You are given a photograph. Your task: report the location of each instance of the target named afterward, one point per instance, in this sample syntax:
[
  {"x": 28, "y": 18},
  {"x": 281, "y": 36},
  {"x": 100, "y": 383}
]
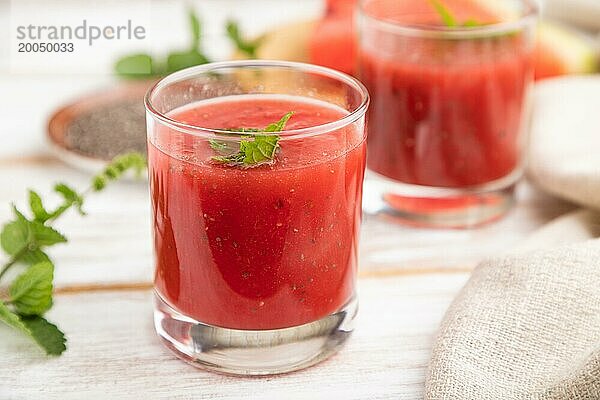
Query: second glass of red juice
[
  {"x": 450, "y": 82},
  {"x": 256, "y": 172}
]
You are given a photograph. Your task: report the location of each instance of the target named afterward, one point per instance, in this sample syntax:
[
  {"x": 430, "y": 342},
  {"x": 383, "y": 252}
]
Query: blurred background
[{"x": 35, "y": 84}]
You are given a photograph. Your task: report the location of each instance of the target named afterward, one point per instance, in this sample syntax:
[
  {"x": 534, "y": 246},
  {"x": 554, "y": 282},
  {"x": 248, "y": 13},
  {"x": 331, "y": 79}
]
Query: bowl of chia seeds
[{"x": 91, "y": 131}]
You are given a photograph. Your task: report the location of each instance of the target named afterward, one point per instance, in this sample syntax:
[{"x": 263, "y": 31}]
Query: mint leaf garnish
[
  {"x": 231, "y": 160},
  {"x": 248, "y": 47},
  {"x": 45, "y": 235},
  {"x": 260, "y": 150},
  {"x": 279, "y": 125},
  {"x": 118, "y": 166},
  {"x": 219, "y": 146},
  {"x": 449, "y": 19},
  {"x": 185, "y": 59},
  {"x": 37, "y": 207},
  {"x": 46, "y": 334},
  {"x": 253, "y": 152},
  {"x": 195, "y": 29},
  {"x": 34, "y": 256},
  {"x": 471, "y": 23},
  {"x": 144, "y": 66},
  {"x": 12, "y": 319},
  {"x": 70, "y": 196},
  {"x": 31, "y": 292},
  {"x": 15, "y": 236},
  {"x": 135, "y": 66},
  {"x": 23, "y": 239},
  {"x": 445, "y": 13}
]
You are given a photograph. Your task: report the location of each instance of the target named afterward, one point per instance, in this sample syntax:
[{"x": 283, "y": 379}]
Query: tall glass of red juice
[
  {"x": 449, "y": 82},
  {"x": 256, "y": 172}
]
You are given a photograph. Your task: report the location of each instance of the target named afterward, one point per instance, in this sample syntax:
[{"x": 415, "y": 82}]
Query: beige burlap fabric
[
  {"x": 564, "y": 156},
  {"x": 527, "y": 325}
]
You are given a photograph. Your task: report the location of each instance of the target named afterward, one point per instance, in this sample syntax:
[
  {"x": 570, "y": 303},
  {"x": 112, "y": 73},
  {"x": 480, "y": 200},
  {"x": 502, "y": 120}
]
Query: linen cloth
[
  {"x": 527, "y": 324},
  {"x": 564, "y": 151}
]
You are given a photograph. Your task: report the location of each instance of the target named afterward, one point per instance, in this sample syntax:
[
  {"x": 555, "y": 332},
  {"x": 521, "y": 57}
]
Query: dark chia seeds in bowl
[
  {"x": 90, "y": 131},
  {"x": 109, "y": 129}
]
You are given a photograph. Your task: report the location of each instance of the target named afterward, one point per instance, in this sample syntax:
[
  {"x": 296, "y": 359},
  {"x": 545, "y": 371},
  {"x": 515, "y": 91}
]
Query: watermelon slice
[
  {"x": 339, "y": 7},
  {"x": 332, "y": 44},
  {"x": 561, "y": 51}
]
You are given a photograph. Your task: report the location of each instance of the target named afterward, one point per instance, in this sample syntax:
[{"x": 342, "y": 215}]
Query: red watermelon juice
[
  {"x": 449, "y": 82},
  {"x": 269, "y": 246},
  {"x": 446, "y": 112}
]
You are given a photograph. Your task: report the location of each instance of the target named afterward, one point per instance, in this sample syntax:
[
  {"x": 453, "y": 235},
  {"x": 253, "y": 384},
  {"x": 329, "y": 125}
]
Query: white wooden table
[
  {"x": 408, "y": 277},
  {"x": 103, "y": 302}
]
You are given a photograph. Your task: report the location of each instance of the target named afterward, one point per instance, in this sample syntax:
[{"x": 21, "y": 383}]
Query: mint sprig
[
  {"x": 248, "y": 47},
  {"x": 256, "y": 149},
  {"x": 279, "y": 125},
  {"x": 31, "y": 292},
  {"x": 24, "y": 240},
  {"x": 144, "y": 66},
  {"x": 449, "y": 19},
  {"x": 44, "y": 333}
]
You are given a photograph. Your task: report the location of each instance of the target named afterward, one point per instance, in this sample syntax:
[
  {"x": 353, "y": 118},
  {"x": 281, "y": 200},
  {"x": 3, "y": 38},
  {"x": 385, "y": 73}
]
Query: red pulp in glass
[
  {"x": 267, "y": 247},
  {"x": 444, "y": 112}
]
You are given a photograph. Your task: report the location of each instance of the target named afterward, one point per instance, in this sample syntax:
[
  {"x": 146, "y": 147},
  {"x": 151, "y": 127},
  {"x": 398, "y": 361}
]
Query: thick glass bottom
[
  {"x": 253, "y": 352},
  {"x": 438, "y": 207}
]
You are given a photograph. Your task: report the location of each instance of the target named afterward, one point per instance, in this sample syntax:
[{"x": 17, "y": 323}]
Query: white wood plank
[
  {"x": 114, "y": 353},
  {"x": 386, "y": 245}
]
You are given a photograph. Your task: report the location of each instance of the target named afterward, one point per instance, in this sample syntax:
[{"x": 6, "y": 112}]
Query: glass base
[
  {"x": 434, "y": 207},
  {"x": 253, "y": 352}
]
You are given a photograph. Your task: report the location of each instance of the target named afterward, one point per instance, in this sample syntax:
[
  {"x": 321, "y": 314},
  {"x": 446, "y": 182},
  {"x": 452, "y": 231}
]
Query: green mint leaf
[
  {"x": 135, "y": 66},
  {"x": 245, "y": 46},
  {"x": 471, "y": 23},
  {"x": 34, "y": 256},
  {"x": 70, "y": 196},
  {"x": 11, "y": 319},
  {"x": 21, "y": 234},
  {"x": 279, "y": 125},
  {"x": 46, "y": 334},
  {"x": 195, "y": 29},
  {"x": 260, "y": 150},
  {"x": 19, "y": 215},
  {"x": 31, "y": 292},
  {"x": 232, "y": 159},
  {"x": 99, "y": 183},
  {"x": 45, "y": 235},
  {"x": 37, "y": 207},
  {"x": 219, "y": 146},
  {"x": 16, "y": 234},
  {"x": 447, "y": 17},
  {"x": 180, "y": 60},
  {"x": 117, "y": 167},
  {"x": 255, "y": 152}
]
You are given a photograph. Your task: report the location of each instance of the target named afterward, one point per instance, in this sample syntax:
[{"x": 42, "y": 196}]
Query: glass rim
[
  {"x": 196, "y": 130},
  {"x": 529, "y": 15}
]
